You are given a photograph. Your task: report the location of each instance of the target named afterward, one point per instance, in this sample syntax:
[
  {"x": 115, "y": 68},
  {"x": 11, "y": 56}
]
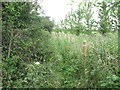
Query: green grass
[{"x": 67, "y": 68}]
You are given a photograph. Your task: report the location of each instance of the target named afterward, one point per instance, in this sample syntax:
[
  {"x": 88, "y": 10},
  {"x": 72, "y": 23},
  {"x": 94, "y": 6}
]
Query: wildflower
[{"x": 37, "y": 63}]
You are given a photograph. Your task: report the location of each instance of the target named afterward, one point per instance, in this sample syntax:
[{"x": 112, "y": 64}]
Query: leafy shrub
[
  {"x": 112, "y": 81},
  {"x": 13, "y": 71},
  {"x": 34, "y": 45},
  {"x": 42, "y": 76}
]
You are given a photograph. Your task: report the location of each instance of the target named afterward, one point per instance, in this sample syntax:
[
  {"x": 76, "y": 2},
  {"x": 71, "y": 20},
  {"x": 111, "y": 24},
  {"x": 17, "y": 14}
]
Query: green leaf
[
  {"x": 114, "y": 77},
  {"x": 80, "y": 4}
]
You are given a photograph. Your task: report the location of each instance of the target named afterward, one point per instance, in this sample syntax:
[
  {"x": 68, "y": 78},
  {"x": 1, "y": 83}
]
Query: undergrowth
[{"x": 68, "y": 67}]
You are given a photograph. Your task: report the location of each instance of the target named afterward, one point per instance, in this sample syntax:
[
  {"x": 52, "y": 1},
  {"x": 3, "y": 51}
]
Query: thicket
[
  {"x": 25, "y": 38},
  {"x": 35, "y": 57}
]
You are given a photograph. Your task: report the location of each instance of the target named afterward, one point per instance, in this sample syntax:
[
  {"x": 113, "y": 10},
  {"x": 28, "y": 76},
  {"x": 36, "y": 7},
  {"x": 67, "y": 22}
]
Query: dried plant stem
[{"x": 84, "y": 49}]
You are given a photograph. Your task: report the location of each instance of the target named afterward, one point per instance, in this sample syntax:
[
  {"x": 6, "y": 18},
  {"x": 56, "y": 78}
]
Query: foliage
[
  {"x": 67, "y": 68},
  {"x": 94, "y": 70},
  {"x": 83, "y": 19},
  {"x": 108, "y": 16},
  {"x": 15, "y": 20},
  {"x": 22, "y": 39},
  {"x": 13, "y": 70},
  {"x": 36, "y": 57},
  {"x": 47, "y": 24}
]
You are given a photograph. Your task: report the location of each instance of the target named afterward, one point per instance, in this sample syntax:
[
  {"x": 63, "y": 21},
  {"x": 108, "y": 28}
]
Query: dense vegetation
[{"x": 80, "y": 52}]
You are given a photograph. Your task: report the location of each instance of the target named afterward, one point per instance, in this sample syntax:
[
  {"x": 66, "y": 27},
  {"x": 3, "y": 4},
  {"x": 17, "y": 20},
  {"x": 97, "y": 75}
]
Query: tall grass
[{"x": 68, "y": 68}]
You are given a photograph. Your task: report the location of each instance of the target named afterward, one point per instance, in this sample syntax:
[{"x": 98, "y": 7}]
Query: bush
[
  {"x": 34, "y": 45},
  {"x": 42, "y": 76},
  {"x": 13, "y": 71}
]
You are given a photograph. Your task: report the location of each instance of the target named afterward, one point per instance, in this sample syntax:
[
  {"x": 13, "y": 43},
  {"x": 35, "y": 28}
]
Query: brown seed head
[{"x": 84, "y": 42}]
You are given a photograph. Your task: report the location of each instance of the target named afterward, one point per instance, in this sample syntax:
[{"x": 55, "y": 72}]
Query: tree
[
  {"x": 80, "y": 20},
  {"x": 108, "y": 17},
  {"x": 47, "y": 24}
]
